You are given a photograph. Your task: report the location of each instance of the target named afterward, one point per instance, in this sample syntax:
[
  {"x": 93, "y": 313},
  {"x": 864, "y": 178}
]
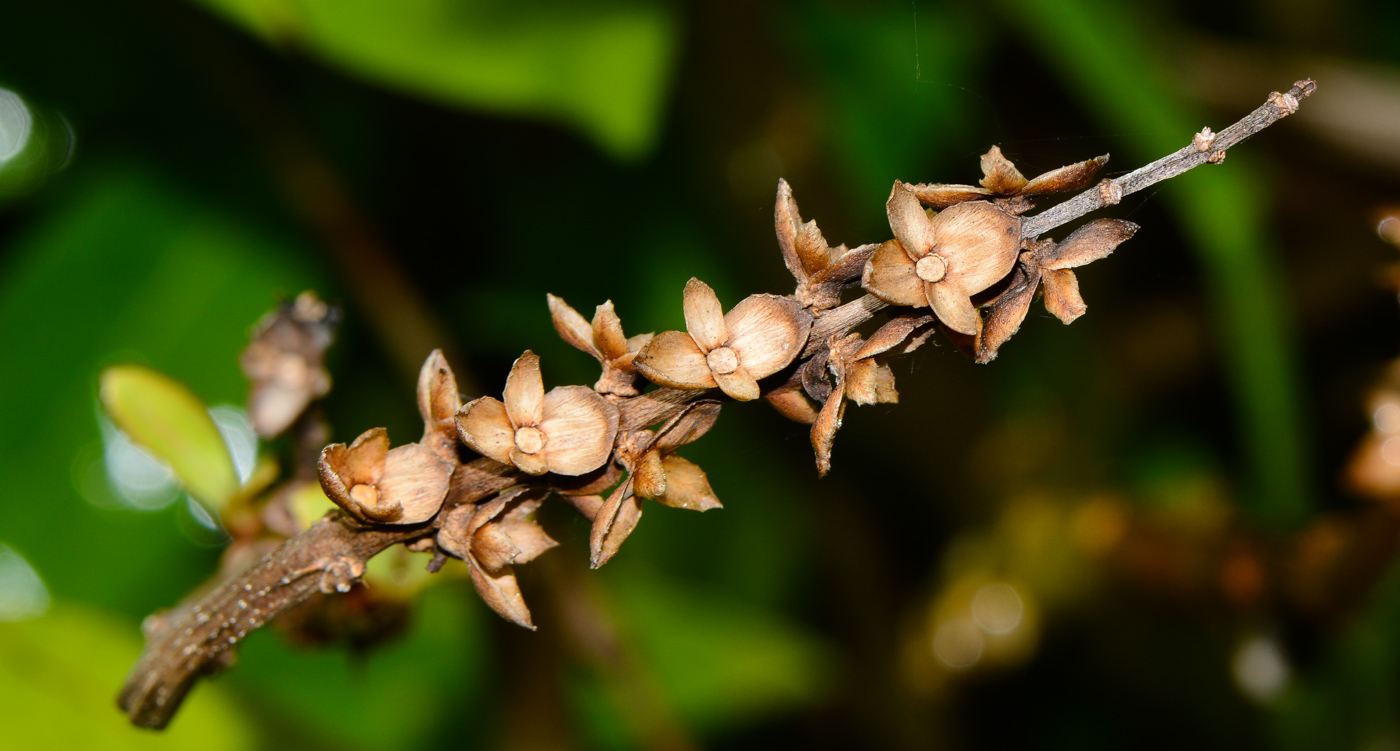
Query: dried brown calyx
[
  {"x": 285, "y": 361},
  {"x": 654, "y": 471},
  {"x": 822, "y": 272},
  {"x": 943, "y": 260},
  {"x": 491, "y": 538},
  {"x": 603, "y": 339},
  {"x": 569, "y": 431},
  {"x": 1048, "y": 266},
  {"x": 757, "y": 338},
  {"x": 1004, "y": 183},
  {"x": 377, "y": 484}
]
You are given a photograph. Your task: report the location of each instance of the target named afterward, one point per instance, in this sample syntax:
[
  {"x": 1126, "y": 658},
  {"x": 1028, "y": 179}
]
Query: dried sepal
[
  {"x": 1062, "y": 297},
  {"x": 687, "y": 487},
  {"x": 1075, "y": 176},
  {"x": 376, "y": 484},
  {"x": 613, "y": 523},
  {"x": 941, "y": 196},
  {"x": 491, "y": 538},
  {"x": 569, "y": 431},
  {"x": 870, "y": 381},
  {"x": 1006, "y": 313},
  {"x": 827, "y": 423},
  {"x": 438, "y": 403},
  {"x": 284, "y": 360},
  {"x": 759, "y": 337},
  {"x": 604, "y": 340},
  {"x": 822, "y": 271},
  {"x": 1089, "y": 243}
]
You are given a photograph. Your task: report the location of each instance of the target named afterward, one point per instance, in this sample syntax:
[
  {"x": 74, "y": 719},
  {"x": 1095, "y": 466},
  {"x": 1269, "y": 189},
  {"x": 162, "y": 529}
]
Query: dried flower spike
[
  {"x": 944, "y": 260},
  {"x": 569, "y": 431},
  {"x": 491, "y": 538},
  {"x": 377, "y": 484},
  {"x": 1049, "y": 267},
  {"x": 822, "y": 272},
  {"x": 757, "y": 338},
  {"x": 604, "y": 340}
]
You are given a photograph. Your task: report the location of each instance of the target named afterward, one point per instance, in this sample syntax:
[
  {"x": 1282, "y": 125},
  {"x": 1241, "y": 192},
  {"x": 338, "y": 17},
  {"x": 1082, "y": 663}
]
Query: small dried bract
[
  {"x": 1003, "y": 182},
  {"x": 491, "y": 538},
  {"x": 942, "y": 261},
  {"x": 654, "y": 471},
  {"x": 604, "y": 340},
  {"x": 569, "y": 431},
  {"x": 1048, "y": 267},
  {"x": 376, "y": 484},
  {"x": 285, "y": 362},
  {"x": 757, "y": 338},
  {"x": 822, "y": 271}
]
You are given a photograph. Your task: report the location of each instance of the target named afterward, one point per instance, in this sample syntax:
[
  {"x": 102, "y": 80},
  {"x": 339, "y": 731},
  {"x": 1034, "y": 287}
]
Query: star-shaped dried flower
[
  {"x": 654, "y": 472},
  {"x": 1049, "y": 266},
  {"x": 944, "y": 260},
  {"x": 604, "y": 340},
  {"x": 491, "y": 538},
  {"x": 285, "y": 362},
  {"x": 860, "y": 374},
  {"x": 757, "y": 338},
  {"x": 569, "y": 431},
  {"x": 822, "y": 271},
  {"x": 1001, "y": 180}
]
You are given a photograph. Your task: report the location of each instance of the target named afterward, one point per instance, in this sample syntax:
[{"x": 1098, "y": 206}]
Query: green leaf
[
  {"x": 599, "y": 67},
  {"x": 163, "y": 416},
  {"x": 59, "y": 677}
]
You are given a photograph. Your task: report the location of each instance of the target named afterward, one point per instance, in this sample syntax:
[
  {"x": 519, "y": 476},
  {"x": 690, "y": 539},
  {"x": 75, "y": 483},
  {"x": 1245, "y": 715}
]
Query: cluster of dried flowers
[
  {"x": 963, "y": 260},
  {"x": 957, "y": 250}
]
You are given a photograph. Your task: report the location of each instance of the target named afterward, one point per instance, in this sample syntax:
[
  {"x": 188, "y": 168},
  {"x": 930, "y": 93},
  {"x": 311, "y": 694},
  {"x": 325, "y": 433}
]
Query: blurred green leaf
[
  {"x": 163, "y": 416},
  {"x": 599, "y": 67},
  {"x": 59, "y": 677},
  {"x": 720, "y": 660}
]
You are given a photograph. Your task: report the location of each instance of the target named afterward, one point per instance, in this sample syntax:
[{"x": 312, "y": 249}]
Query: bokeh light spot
[
  {"x": 958, "y": 643},
  {"x": 22, "y": 593},
  {"x": 997, "y": 608},
  {"x": 16, "y": 124},
  {"x": 1260, "y": 669}
]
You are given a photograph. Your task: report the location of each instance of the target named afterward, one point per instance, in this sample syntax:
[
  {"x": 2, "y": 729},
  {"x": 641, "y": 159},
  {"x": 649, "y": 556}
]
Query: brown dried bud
[
  {"x": 757, "y": 338},
  {"x": 285, "y": 362},
  {"x": 569, "y": 431},
  {"x": 604, "y": 340},
  {"x": 943, "y": 261},
  {"x": 491, "y": 538},
  {"x": 377, "y": 484},
  {"x": 822, "y": 272}
]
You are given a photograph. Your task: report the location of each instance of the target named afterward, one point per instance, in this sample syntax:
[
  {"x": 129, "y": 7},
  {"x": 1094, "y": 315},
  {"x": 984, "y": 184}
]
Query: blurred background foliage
[{"x": 1131, "y": 532}]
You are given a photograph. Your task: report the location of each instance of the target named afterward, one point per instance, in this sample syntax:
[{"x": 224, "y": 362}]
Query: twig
[{"x": 1204, "y": 148}]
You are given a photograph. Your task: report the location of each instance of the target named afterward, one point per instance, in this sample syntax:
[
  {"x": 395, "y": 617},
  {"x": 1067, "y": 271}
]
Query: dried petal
[
  {"x": 571, "y": 326},
  {"x": 892, "y": 334},
  {"x": 1089, "y": 243},
  {"x": 845, "y": 268},
  {"x": 485, "y": 427},
  {"x": 870, "y": 382},
  {"x": 766, "y": 332},
  {"x": 579, "y": 427},
  {"x": 1000, "y": 176},
  {"x": 1004, "y": 316},
  {"x": 792, "y": 404},
  {"x": 364, "y": 460},
  {"x": 941, "y": 196},
  {"x": 416, "y": 480},
  {"x": 980, "y": 243},
  {"x": 607, "y": 332},
  {"x": 687, "y": 427},
  {"x": 649, "y": 477},
  {"x": 501, "y": 592},
  {"x": 686, "y": 486},
  {"x": 673, "y": 359},
  {"x": 1062, "y": 295},
  {"x": 613, "y": 523},
  {"x": 1071, "y": 177},
  {"x": 704, "y": 318},
  {"x": 529, "y": 463},
  {"x": 738, "y": 385},
  {"x": 953, "y": 308},
  {"x": 824, "y": 429},
  {"x": 889, "y": 275},
  {"x": 524, "y": 394},
  {"x": 493, "y": 548},
  {"x": 911, "y": 225},
  {"x": 788, "y": 223},
  {"x": 438, "y": 403}
]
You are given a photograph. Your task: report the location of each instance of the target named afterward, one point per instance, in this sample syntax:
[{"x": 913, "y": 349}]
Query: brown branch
[{"x": 1204, "y": 148}]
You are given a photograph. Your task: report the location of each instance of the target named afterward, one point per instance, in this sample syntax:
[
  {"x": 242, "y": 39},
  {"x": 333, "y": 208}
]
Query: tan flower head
[
  {"x": 569, "y": 431},
  {"x": 944, "y": 260},
  {"x": 377, "y": 484},
  {"x": 757, "y": 338},
  {"x": 604, "y": 340},
  {"x": 284, "y": 361},
  {"x": 1049, "y": 267},
  {"x": 491, "y": 538},
  {"x": 654, "y": 472},
  {"x": 1001, "y": 179},
  {"x": 822, "y": 271}
]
